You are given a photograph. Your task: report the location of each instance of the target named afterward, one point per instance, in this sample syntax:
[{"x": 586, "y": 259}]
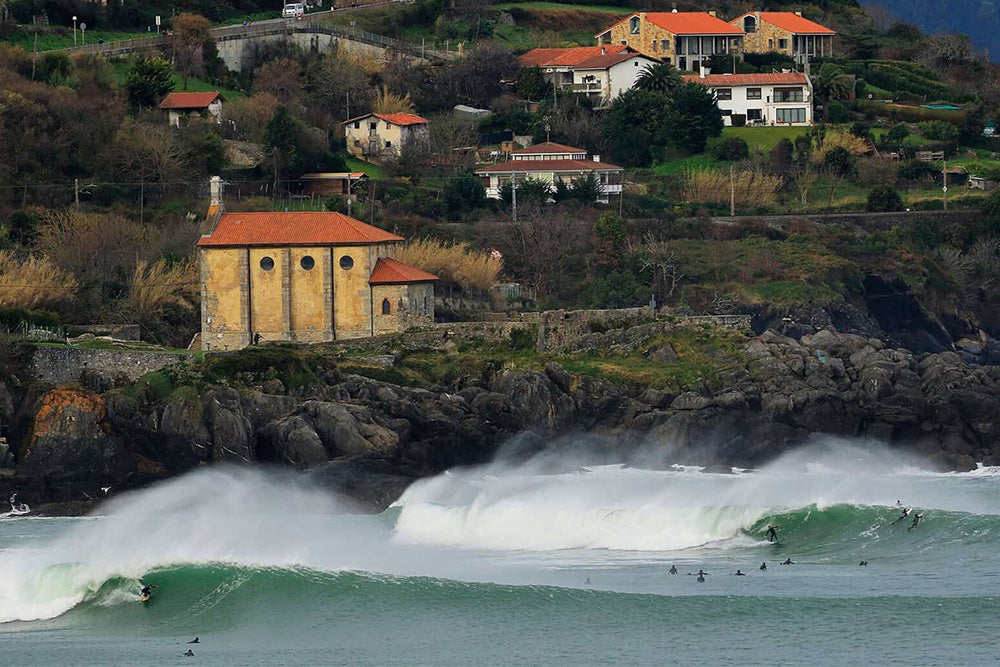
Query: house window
[
  {"x": 753, "y": 93},
  {"x": 633, "y": 25},
  {"x": 770, "y": 45},
  {"x": 388, "y": 144},
  {"x": 693, "y": 44},
  {"x": 388, "y": 127},
  {"x": 307, "y": 263},
  {"x": 347, "y": 262},
  {"x": 782, "y": 43},
  {"x": 373, "y": 127},
  {"x": 749, "y": 24},
  {"x": 723, "y": 94},
  {"x": 754, "y": 114},
  {"x": 665, "y": 44},
  {"x": 386, "y": 307},
  {"x": 787, "y": 94},
  {"x": 790, "y": 115},
  {"x": 357, "y": 125},
  {"x": 726, "y": 112},
  {"x": 266, "y": 263}
]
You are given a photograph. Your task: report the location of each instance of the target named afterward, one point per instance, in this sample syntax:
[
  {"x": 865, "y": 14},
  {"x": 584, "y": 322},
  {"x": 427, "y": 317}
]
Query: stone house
[
  {"x": 599, "y": 73},
  {"x": 552, "y": 162},
  {"x": 788, "y": 33},
  {"x": 683, "y": 39},
  {"x": 779, "y": 98},
  {"x": 184, "y": 106},
  {"x": 306, "y": 277},
  {"x": 381, "y": 137}
]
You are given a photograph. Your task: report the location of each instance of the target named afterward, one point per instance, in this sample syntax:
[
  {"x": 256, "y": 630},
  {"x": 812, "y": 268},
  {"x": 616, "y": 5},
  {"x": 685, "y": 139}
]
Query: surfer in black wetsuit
[
  {"x": 189, "y": 654},
  {"x": 763, "y": 567},
  {"x": 787, "y": 561},
  {"x": 672, "y": 570},
  {"x": 701, "y": 576},
  {"x": 738, "y": 574},
  {"x": 863, "y": 563},
  {"x": 906, "y": 513},
  {"x": 916, "y": 520},
  {"x": 771, "y": 534},
  {"x": 147, "y": 591}
]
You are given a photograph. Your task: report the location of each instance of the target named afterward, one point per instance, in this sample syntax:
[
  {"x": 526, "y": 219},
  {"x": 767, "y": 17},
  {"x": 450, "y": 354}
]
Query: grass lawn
[
  {"x": 768, "y": 137},
  {"x": 558, "y": 6},
  {"x": 121, "y": 65},
  {"x": 62, "y": 37},
  {"x": 373, "y": 171},
  {"x": 678, "y": 165}
]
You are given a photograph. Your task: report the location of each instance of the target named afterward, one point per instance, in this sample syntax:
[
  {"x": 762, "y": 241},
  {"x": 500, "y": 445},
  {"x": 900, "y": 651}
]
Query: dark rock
[
  {"x": 374, "y": 485},
  {"x": 965, "y": 463}
]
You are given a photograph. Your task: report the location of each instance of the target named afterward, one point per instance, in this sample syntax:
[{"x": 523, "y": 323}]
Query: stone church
[{"x": 306, "y": 277}]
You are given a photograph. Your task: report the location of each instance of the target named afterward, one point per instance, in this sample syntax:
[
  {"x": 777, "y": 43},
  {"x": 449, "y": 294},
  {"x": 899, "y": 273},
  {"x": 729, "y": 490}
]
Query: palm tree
[
  {"x": 659, "y": 78},
  {"x": 831, "y": 84}
]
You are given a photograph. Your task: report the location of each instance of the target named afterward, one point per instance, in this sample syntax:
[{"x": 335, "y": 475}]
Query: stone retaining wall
[{"x": 62, "y": 365}]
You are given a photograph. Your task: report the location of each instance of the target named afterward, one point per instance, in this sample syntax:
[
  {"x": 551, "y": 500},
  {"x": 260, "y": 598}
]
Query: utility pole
[
  {"x": 142, "y": 202},
  {"x": 76, "y": 191},
  {"x": 944, "y": 182},
  {"x": 513, "y": 195},
  {"x": 34, "y": 57},
  {"x": 732, "y": 193}
]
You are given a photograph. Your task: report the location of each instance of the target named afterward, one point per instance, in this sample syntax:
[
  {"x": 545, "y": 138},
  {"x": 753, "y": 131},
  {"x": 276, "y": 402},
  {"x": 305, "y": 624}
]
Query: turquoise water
[{"x": 516, "y": 566}]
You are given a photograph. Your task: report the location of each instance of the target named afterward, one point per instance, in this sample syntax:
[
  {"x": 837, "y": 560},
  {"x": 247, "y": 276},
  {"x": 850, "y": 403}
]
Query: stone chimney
[
  {"x": 604, "y": 51},
  {"x": 711, "y": 12},
  {"x": 215, "y": 191},
  {"x": 798, "y": 12},
  {"x": 674, "y": 10},
  {"x": 597, "y": 158}
]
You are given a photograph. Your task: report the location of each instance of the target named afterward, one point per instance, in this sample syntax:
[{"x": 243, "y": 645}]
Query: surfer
[
  {"x": 863, "y": 563},
  {"x": 916, "y": 520},
  {"x": 147, "y": 591},
  {"x": 763, "y": 567},
  {"x": 906, "y": 513},
  {"x": 189, "y": 654},
  {"x": 787, "y": 561},
  {"x": 738, "y": 573},
  {"x": 771, "y": 534},
  {"x": 197, "y": 640},
  {"x": 672, "y": 570},
  {"x": 701, "y": 577}
]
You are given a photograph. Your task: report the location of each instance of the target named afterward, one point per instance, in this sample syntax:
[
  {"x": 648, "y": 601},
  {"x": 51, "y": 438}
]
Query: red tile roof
[
  {"x": 295, "y": 228},
  {"x": 394, "y": 118},
  {"x": 687, "y": 23},
  {"x": 521, "y": 166},
  {"x": 390, "y": 272},
  {"x": 189, "y": 100},
  {"x": 610, "y": 60},
  {"x": 547, "y": 147},
  {"x": 776, "y": 78},
  {"x": 791, "y": 22},
  {"x": 566, "y": 57}
]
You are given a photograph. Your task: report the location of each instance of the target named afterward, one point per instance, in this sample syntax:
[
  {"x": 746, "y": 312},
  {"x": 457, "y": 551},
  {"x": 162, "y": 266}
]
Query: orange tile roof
[
  {"x": 293, "y": 228},
  {"x": 390, "y": 272},
  {"x": 611, "y": 59},
  {"x": 189, "y": 100},
  {"x": 394, "y": 118},
  {"x": 686, "y": 23},
  {"x": 522, "y": 166},
  {"x": 566, "y": 57},
  {"x": 547, "y": 147},
  {"x": 792, "y": 22},
  {"x": 778, "y": 78}
]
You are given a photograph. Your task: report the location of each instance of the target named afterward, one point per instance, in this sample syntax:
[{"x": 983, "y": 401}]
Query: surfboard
[{"x": 145, "y": 597}]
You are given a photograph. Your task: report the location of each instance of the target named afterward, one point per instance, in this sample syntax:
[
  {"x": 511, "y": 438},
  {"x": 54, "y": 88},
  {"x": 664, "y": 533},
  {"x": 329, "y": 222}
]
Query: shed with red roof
[
  {"x": 382, "y": 137},
  {"x": 184, "y": 106}
]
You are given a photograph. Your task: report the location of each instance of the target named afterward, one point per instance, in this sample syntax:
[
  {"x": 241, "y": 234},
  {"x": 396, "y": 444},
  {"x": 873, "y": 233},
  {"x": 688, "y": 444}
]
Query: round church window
[
  {"x": 266, "y": 263},
  {"x": 347, "y": 262},
  {"x": 308, "y": 263}
]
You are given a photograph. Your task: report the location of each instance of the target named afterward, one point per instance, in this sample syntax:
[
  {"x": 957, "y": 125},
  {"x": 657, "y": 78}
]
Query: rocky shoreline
[{"x": 369, "y": 439}]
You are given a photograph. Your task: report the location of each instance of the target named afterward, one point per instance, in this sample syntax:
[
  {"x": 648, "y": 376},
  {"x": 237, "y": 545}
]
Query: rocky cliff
[{"x": 370, "y": 438}]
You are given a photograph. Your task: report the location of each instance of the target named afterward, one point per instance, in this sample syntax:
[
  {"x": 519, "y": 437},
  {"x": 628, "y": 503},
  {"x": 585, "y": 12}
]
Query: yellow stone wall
[
  {"x": 311, "y": 308},
  {"x": 649, "y": 33},
  {"x": 266, "y": 302},
  {"x": 223, "y": 276},
  {"x": 410, "y": 305},
  {"x": 766, "y": 39}
]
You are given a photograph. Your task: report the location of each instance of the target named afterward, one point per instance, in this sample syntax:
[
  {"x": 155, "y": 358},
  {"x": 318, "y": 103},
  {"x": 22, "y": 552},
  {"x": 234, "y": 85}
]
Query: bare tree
[{"x": 192, "y": 38}]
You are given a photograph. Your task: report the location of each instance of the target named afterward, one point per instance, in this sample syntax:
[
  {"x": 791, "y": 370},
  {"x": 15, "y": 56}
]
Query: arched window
[
  {"x": 749, "y": 24},
  {"x": 633, "y": 25},
  {"x": 386, "y": 307}
]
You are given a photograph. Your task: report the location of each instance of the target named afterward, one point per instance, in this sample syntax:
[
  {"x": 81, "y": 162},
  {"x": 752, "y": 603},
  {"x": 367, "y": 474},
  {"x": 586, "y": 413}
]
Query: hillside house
[
  {"x": 599, "y": 73},
  {"x": 683, "y": 39},
  {"x": 780, "y": 98},
  {"x": 331, "y": 183},
  {"x": 788, "y": 33},
  {"x": 551, "y": 162},
  {"x": 181, "y": 107},
  {"x": 306, "y": 277},
  {"x": 381, "y": 137}
]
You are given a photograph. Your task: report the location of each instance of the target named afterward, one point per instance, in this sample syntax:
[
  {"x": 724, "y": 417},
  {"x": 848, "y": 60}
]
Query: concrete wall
[
  {"x": 62, "y": 365},
  {"x": 238, "y": 52}
]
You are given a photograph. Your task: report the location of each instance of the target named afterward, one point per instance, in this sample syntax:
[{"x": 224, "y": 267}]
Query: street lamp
[{"x": 74, "y": 30}]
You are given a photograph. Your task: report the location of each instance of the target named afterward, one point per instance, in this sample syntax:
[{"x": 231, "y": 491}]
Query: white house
[
  {"x": 600, "y": 73},
  {"x": 552, "y": 162},
  {"x": 779, "y": 98},
  {"x": 183, "y": 106},
  {"x": 381, "y": 137},
  {"x": 603, "y": 78}
]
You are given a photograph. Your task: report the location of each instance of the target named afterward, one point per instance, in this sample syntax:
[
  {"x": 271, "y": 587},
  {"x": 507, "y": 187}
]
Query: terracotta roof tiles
[
  {"x": 390, "y": 272},
  {"x": 293, "y": 228},
  {"x": 394, "y": 118},
  {"x": 566, "y": 57},
  {"x": 687, "y": 23},
  {"x": 792, "y": 22},
  {"x": 547, "y": 147},
  {"x": 778, "y": 78},
  {"x": 522, "y": 166},
  {"x": 189, "y": 100}
]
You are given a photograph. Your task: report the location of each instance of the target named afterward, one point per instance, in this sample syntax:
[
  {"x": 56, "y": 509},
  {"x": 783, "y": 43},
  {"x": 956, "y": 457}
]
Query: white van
[{"x": 293, "y": 10}]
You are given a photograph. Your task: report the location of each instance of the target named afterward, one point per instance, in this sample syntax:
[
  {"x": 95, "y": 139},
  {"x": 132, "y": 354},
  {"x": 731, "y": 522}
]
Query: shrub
[
  {"x": 837, "y": 112},
  {"x": 938, "y": 130},
  {"x": 838, "y": 161},
  {"x": 728, "y": 149},
  {"x": 752, "y": 188},
  {"x": 157, "y": 288},
  {"x": 32, "y": 282},
  {"x": 884, "y": 198},
  {"x": 521, "y": 339},
  {"x": 457, "y": 264}
]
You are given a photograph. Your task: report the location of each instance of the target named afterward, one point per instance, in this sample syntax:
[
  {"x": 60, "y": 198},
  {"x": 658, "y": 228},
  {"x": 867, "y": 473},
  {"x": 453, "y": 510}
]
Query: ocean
[{"x": 520, "y": 565}]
